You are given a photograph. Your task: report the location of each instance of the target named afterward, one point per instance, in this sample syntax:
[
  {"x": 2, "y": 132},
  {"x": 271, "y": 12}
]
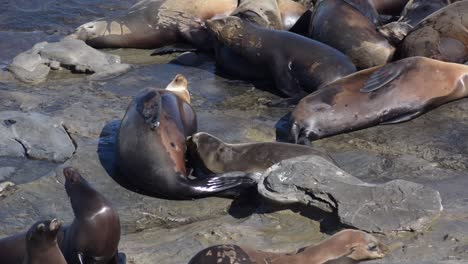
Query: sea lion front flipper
[
  {"x": 382, "y": 76},
  {"x": 221, "y": 182},
  {"x": 176, "y": 48},
  {"x": 149, "y": 106},
  {"x": 402, "y": 118}
]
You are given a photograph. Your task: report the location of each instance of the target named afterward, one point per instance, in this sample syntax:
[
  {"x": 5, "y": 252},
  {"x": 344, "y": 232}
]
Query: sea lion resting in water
[
  {"x": 349, "y": 246},
  {"x": 387, "y": 94},
  {"x": 441, "y": 36},
  {"x": 297, "y": 68},
  {"x": 215, "y": 156},
  {"x": 151, "y": 149}
]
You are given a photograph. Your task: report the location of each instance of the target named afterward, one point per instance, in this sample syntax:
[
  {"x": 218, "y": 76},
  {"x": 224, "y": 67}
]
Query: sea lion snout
[
  {"x": 55, "y": 224},
  {"x": 71, "y": 175}
]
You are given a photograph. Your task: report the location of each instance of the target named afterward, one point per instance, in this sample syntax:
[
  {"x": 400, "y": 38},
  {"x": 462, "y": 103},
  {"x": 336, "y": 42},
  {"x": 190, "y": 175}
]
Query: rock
[
  {"x": 397, "y": 205},
  {"x": 6, "y": 172},
  {"x": 5, "y": 185},
  {"x": 34, "y": 65},
  {"x": 33, "y": 135}
]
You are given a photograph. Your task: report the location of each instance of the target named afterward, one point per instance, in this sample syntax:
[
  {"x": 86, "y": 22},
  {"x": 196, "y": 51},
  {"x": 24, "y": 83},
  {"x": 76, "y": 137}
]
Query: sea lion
[
  {"x": 155, "y": 23},
  {"x": 290, "y": 12},
  {"x": 387, "y": 94},
  {"x": 389, "y": 7},
  {"x": 41, "y": 244},
  {"x": 361, "y": 42},
  {"x": 94, "y": 235},
  {"x": 413, "y": 13},
  {"x": 348, "y": 245},
  {"x": 299, "y": 67},
  {"x": 178, "y": 86},
  {"x": 13, "y": 248},
  {"x": 151, "y": 149},
  {"x": 216, "y": 156},
  {"x": 440, "y": 36}
]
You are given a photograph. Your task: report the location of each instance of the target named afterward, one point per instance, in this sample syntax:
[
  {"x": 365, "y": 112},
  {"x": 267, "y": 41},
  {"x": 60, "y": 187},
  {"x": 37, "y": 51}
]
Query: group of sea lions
[
  {"x": 92, "y": 237},
  {"x": 347, "y": 64}
]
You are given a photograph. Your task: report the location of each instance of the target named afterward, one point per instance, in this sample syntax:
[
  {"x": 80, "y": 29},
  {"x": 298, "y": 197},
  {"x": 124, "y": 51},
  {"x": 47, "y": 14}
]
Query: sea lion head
[
  {"x": 210, "y": 150},
  {"x": 89, "y": 30},
  {"x": 77, "y": 188},
  {"x": 227, "y": 28},
  {"x": 360, "y": 245},
  {"x": 179, "y": 87},
  {"x": 43, "y": 232}
]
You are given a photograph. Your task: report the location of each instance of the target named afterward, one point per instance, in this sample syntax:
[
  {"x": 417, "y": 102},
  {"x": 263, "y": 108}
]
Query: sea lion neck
[{"x": 87, "y": 202}]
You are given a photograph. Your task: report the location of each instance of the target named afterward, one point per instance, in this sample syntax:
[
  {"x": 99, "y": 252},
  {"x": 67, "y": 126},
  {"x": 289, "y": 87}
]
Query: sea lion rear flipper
[
  {"x": 402, "y": 118},
  {"x": 149, "y": 107},
  {"x": 382, "y": 76}
]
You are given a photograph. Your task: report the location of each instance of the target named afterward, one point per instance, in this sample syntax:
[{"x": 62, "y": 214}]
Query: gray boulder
[
  {"x": 34, "y": 65},
  {"x": 34, "y": 135},
  {"x": 397, "y": 205}
]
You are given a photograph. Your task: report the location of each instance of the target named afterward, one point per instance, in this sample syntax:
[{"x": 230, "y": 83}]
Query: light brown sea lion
[
  {"x": 299, "y": 67},
  {"x": 179, "y": 86},
  {"x": 392, "y": 93},
  {"x": 155, "y": 23},
  {"x": 41, "y": 244},
  {"x": 94, "y": 235},
  {"x": 348, "y": 245},
  {"x": 341, "y": 25},
  {"x": 151, "y": 149},
  {"x": 215, "y": 156},
  {"x": 441, "y": 36},
  {"x": 413, "y": 13}
]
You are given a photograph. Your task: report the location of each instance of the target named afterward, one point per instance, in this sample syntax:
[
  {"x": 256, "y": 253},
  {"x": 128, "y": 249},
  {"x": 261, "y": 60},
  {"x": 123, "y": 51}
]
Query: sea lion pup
[
  {"x": 151, "y": 149},
  {"x": 216, "y": 156},
  {"x": 388, "y": 94},
  {"x": 413, "y": 13},
  {"x": 179, "y": 86},
  {"x": 297, "y": 68},
  {"x": 155, "y": 23},
  {"x": 93, "y": 236},
  {"x": 41, "y": 244},
  {"x": 363, "y": 44},
  {"x": 440, "y": 36},
  {"x": 353, "y": 245}
]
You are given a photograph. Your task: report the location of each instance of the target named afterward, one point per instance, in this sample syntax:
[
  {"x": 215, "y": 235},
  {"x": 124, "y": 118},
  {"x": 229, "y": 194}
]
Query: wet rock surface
[
  {"x": 396, "y": 205},
  {"x": 33, "y": 66},
  {"x": 429, "y": 150}
]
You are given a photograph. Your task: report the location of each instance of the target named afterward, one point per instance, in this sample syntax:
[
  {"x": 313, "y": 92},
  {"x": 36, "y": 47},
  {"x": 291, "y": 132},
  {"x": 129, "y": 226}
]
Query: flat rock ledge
[
  {"x": 33, "y": 66},
  {"x": 35, "y": 136},
  {"x": 396, "y": 205}
]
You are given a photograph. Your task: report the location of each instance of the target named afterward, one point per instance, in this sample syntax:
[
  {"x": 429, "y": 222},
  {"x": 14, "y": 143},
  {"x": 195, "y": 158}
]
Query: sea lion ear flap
[{"x": 383, "y": 76}]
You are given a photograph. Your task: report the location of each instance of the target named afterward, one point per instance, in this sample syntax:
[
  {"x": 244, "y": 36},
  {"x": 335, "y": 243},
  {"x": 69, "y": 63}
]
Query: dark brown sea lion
[
  {"x": 41, "y": 244},
  {"x": 151, "y": 149},
  {"x": 341, "y": 25},
  {"x": 389, "y": 7},
  {"x": 299, "y": 67},
  {"x": 441, "y": 36},
  {"x": 94, "y": 235},
  {"x": 13, "y": 248},
  {"x": 216, "y": 156},
  {"x": 387, "y": 94},
  {"x": 351, "y": 246},
  {"x": 413, "y": 13},
  {"x": 155, "y": 23}
]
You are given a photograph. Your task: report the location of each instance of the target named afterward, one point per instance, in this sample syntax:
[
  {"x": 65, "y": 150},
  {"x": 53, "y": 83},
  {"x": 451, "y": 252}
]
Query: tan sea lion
[
  {"x": 151, "y": 149},
  {"x": 387, "y": 94},
  {"x": 41, "y": 244},
  {"x": 350, "y": 246},
  {"x": 297, "y": 68},
  {"x": 179, "y": 86},
  {"x": 94, "y": 235},
  {"x": 441, "y": 36},
  {"x": 343, "y": 26},
  {"x": 215, "y": 156},
  {"x": 155, "y": 23}
]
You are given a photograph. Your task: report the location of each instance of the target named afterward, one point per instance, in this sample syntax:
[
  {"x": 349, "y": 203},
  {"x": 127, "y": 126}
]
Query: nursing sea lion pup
[
  {"x": 349, "y": 246},
  {"x": 393, "y": 93},
  {"x": 299, "y": 67},
  {"x": 441, "y": 36},
  {"x": 215, "y": 156},
  {"x": 93, "y": 236},
  {"x": 151, "y": 149},
  {"x": 341, "y": 25},
  {"x": 155, "y": 23},
  {"x": 41, "y": 244}
]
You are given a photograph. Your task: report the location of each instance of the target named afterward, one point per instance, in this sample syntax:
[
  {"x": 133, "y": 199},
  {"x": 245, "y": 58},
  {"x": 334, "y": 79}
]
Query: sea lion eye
[{"x": 372, "y": 247}]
